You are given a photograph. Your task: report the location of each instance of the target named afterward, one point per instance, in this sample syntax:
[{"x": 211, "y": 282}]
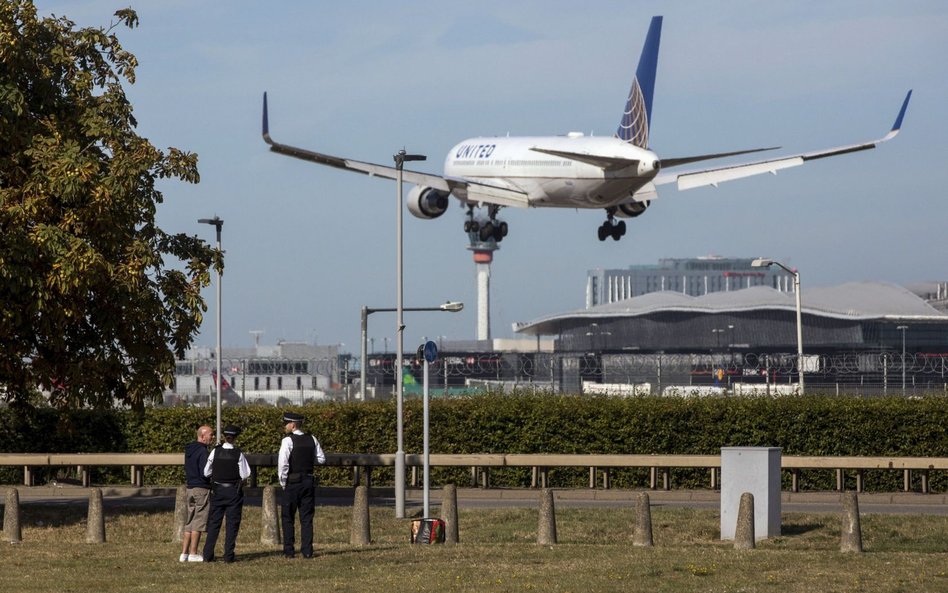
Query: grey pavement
[{"x": 811, "y": 502}]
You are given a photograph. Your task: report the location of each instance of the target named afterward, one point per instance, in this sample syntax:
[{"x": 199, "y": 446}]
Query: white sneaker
[
  {"x": 195, "y": 558},
  {"x": 183, "y": 558}
]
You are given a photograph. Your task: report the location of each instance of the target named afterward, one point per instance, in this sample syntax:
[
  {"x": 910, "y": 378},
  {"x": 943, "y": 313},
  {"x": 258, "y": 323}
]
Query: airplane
[
  {"x": 229, "y": 395},
  {"x": 619, "y": 174}
]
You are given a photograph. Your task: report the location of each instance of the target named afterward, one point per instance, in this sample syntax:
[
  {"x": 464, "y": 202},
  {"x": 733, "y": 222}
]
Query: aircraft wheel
[
  {"x": 603, "y": 233},
  {"x": 487, "y": 231},
  {"x": 616, "y": 235},
  {"x": 467, "y": 226},
  {"x": 475, "y": 226},
  {"x": 503, "y": 230},
  {"x": 621, "y": 228}
]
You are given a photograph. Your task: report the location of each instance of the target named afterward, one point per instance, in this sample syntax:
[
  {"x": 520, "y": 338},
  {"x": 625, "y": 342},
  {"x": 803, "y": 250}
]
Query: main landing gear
[
  {"x": 611, "y": 228},
  {"x": 487, "y": 229}
]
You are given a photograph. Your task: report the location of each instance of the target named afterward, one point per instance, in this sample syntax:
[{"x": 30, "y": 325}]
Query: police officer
[
  {"x": 299, "y": 453},
  {"x": 227, "y": 468}
]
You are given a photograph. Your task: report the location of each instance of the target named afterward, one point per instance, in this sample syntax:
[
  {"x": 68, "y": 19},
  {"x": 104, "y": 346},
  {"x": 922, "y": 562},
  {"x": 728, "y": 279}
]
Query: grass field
[{"x": 497, "y": 553}]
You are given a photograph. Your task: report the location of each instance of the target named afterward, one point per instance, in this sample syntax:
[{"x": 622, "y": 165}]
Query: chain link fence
[{"x": 283, "y": 381}]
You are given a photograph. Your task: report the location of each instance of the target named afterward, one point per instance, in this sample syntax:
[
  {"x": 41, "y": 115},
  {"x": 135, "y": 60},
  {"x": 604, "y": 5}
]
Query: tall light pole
[
  {"x": 902, "y": 328},
  {"x": 450, "y": 306},
  {"x": 762, "y": 262},
  {"x": 400, "y": 157},
  {"x": 217, "y": 222}
]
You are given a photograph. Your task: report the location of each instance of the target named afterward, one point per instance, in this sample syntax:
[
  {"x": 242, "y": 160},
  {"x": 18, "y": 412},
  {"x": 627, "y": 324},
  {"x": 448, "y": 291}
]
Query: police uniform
[
  {"x": 227, "y": 468},
  {"x": 299, "y": 453}
]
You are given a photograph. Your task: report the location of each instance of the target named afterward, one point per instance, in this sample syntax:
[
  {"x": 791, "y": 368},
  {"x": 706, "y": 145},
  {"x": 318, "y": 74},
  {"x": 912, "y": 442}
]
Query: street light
[
  {"x": 762, "y": 262},
  {"x": 217, "y": 222},
  {"x": 450, "y": 306},
  {"x": 902, "y": 328},
  {"x": 400, "y": 157}
]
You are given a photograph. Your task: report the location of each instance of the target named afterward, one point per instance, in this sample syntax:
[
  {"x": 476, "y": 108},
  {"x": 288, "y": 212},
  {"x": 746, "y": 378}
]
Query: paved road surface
[{"x": 811, "y": 502}]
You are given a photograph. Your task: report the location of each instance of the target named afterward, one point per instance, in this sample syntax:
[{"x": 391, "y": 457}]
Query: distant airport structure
[
  {"x": 856, "y": 316},
  {"x": 695, "y": 276},
  {"x": 286, "y": 373},
  {"x": 483, "y": 252},
  {"x": 711, "y": 323}
]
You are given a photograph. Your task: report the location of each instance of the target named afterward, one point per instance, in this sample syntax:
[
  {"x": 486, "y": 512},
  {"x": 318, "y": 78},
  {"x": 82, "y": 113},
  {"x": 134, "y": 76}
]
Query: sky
[{"x": 307, "y": 246}]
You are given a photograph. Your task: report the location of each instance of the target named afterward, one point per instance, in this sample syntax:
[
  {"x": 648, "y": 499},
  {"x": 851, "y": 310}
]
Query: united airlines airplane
[{"x": 619, "y": 174}]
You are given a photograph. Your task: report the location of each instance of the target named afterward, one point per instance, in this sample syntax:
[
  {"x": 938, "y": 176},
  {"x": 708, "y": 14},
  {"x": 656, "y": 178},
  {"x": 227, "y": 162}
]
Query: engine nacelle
[
  {"x": 427, "y": 202},
  {"x": 632, "y": 209}
]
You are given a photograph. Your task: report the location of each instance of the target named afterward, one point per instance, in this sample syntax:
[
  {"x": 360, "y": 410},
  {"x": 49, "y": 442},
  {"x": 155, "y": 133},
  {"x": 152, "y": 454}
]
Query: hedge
[{"x": 522, "y": 423}]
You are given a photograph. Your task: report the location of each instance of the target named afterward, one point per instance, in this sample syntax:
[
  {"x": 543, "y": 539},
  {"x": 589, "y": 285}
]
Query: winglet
[
  {"x": 266, "y": 121},
  {"x": 898, "y": 120}
]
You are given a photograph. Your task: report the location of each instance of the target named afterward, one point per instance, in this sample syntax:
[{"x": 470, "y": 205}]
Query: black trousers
[
  {"x": 226, "y": 501},
  {"x": 301, "y": 497}
]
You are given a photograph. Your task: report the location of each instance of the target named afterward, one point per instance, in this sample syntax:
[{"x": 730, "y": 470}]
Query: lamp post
[
  {"x": 450, "y": 306},
  {"x": 400, "y": 157},
  {"x": 902, "y": 328},
  {"x": 762, "y": 262},
  {"x": 217, "y": 222}
]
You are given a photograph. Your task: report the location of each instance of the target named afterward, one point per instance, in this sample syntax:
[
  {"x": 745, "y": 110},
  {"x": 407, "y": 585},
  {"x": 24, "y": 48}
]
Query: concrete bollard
[
  {"x": 11, "y": 517},
  {"x": 744, "y": 532},
  {"x": 270, "y": 518},
  {"x": 180, "y": 513},
  {"x": 449, "y": 513},
  {"x": 642, "y": 535},
  {"x": 851, "y": 538},
  {"x": 360, "y": 533},
  {"x": 95, "y": 523},
  {"x": 546, "y": 529}
]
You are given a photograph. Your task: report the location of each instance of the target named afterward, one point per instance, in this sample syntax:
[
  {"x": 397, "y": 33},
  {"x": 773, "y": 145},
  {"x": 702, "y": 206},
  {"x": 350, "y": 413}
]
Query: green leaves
[
  {"x": 525, "y": 423},
  {"x": 90, "y": 311}
]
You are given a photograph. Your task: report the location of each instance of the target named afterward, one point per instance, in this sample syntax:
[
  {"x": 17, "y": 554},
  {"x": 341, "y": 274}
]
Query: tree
[{"x": 95, "y": 299}]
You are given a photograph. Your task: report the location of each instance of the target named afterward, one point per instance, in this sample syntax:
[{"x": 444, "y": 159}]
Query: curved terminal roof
[{"x": 851, "y": 301}]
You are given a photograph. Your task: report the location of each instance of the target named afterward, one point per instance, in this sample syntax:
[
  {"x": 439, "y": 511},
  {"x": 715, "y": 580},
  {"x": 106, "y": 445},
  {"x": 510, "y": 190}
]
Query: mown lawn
[{"x": 497, "y": 553}]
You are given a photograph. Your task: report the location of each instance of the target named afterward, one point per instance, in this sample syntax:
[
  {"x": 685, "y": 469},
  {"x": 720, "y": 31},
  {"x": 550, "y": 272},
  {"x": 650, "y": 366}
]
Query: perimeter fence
[{"x": 281, "y": 381}]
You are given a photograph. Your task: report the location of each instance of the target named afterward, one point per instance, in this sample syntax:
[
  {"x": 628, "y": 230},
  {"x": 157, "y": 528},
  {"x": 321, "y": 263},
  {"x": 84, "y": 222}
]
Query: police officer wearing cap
[
  {"x": 227, "y": 468},
  {"x": 299, "y": 454}
]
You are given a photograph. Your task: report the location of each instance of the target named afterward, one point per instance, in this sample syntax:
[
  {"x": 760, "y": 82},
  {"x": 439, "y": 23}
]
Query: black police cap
[{"x": 292, "y": 417}]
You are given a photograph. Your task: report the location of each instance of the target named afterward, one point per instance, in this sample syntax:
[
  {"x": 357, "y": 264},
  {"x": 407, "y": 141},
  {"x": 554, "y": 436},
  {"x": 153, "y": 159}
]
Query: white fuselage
[{"x": 556, "y": 180}]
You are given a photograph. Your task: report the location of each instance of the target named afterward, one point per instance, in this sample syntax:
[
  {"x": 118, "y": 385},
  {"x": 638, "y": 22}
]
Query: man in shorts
[{"x": 198, "y": 494}]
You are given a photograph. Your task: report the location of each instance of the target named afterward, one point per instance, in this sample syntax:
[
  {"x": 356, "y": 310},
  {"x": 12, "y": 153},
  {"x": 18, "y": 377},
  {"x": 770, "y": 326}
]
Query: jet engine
[
  {"x": 427, "y": 202},
  {"x": 632, "y": 209}
]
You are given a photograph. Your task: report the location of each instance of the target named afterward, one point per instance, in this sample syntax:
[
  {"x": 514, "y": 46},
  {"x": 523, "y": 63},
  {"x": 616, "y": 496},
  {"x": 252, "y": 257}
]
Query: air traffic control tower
[{"x": 483, "y": 256}]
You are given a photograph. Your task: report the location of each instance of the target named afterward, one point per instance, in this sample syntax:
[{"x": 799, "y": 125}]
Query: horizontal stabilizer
[{"x": 606, "y": 163}]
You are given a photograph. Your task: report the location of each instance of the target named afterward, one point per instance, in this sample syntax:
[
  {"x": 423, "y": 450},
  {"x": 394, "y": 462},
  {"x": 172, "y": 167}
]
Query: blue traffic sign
[{"x": 431, "y": 352}]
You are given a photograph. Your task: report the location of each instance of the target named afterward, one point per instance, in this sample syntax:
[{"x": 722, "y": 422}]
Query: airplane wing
[
  {"x": 477, "y": 192},
  {"x": 691, "y": 179}
]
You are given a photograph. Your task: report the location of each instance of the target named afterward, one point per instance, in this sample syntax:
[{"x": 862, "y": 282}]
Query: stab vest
[
  {"x": 226, "y": 468},
  {"x": 303, "y": 453}
]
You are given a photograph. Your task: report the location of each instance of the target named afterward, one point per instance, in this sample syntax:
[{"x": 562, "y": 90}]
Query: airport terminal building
[
  {"x": 694, "y": 276},
  {"x": 858, "y": 316},
  {"x": 867, "y": 337}
]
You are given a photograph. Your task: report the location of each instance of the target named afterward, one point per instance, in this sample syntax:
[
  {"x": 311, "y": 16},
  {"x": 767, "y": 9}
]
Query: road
[{"x": 809, "y": 502}]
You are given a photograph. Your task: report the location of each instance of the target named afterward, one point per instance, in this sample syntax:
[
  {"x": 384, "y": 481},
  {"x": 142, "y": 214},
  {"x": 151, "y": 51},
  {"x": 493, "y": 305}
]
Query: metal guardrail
[{"x": 480, "y": 464}]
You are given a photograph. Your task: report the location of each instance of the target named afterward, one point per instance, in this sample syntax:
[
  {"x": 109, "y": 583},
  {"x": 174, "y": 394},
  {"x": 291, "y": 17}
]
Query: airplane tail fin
[{"x": 638, "y": 107}]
